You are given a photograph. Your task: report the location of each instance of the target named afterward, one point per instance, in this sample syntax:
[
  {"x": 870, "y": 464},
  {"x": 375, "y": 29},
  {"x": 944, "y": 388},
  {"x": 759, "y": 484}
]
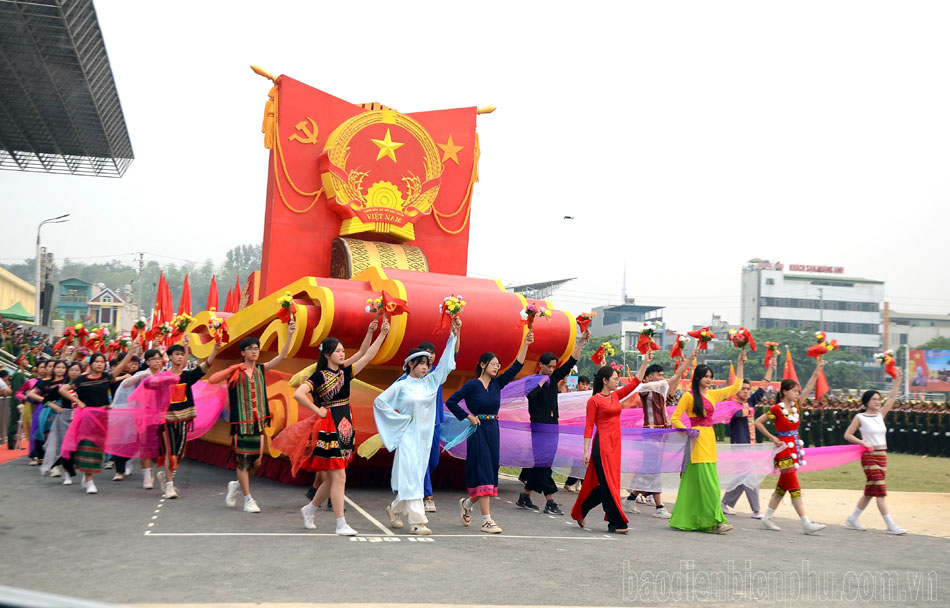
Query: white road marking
[
  {"x": 372, "y": 519},
  {"x": 388, "y": 538}
]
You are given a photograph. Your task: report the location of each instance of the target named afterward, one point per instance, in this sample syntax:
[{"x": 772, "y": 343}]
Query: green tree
[{"x": 938, "y": 343}]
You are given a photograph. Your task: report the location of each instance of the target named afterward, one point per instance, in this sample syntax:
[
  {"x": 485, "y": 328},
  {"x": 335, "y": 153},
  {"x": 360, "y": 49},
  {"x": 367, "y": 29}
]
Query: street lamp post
[{"x": 36, "y": 300}]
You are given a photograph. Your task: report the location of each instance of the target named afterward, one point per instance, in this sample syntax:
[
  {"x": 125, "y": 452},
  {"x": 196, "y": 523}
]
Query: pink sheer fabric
[{"x": 130, "y": 429}]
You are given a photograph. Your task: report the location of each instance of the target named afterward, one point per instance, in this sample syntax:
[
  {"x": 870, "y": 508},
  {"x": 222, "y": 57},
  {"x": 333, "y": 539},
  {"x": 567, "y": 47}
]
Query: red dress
[
  {"x": 791, "y": 456},
  {"x": 604, "y": 413}
]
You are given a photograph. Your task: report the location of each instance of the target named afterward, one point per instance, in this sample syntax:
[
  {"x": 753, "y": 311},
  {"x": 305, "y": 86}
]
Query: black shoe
[
  {"x": 311, "y": 492},
  {"x": 524, "y": 501},
  {"x": 552, "y": 509}
]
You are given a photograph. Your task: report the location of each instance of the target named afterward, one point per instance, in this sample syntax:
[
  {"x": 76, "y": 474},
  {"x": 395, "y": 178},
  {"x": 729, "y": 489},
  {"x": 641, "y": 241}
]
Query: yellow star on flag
[
  {"x": 450, "y": 150},
  {"x": 387, "y": 147}
]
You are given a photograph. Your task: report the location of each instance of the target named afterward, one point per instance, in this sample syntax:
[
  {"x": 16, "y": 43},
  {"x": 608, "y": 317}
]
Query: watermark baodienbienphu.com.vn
[{"x": 742, "y": 582}]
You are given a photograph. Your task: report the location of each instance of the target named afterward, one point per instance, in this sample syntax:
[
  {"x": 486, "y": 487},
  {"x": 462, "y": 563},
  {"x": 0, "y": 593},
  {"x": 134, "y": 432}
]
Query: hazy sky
[{"x": 684, "y": 137}]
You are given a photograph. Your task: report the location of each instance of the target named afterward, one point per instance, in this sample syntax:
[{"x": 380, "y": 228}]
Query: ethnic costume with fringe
[
  {"x": 405, "y": 416},
  {"x": 249, "y": 413},
  {"x": 790, "y": 456},
  {"x": 602, "y": 480},
  {"x": 322, "y": 444},
  {"x": 482, "y": 446},
  {"x": 179, "y": 419},
  {"x": 697, "y": 503},
  {"x": 43, "y": 417}
]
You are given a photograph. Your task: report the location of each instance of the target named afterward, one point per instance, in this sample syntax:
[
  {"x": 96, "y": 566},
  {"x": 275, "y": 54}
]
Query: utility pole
[
  {"x": 138, "y": 287},
  {"x": 37, "y": 319}
]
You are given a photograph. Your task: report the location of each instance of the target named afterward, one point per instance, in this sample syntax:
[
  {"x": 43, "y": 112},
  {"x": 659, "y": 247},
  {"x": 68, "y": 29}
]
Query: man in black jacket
[{"x": 542, "y": 409}]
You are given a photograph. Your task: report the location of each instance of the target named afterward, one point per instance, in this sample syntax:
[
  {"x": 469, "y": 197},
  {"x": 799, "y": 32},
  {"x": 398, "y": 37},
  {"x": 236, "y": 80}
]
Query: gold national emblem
[{"x": 382, "y": 207}]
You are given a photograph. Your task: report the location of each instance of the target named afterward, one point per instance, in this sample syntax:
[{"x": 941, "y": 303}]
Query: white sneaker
[
  {"x": 34, "y": 462},
  {"x": 108, "y": 465},
  {"x": 420, "y": 530},
  {"x": 632, "y": 506},
  {"x": 727, "y": 510},
  {"x": 161, "y": 478},
  {"x": 67, "y": 480},
  {"x": 490, "y": 527},
  {"x": 662, "y": 513},
  {"x": 430, "y": 506},
  {"x": 854, "y": 524},
  {"x": 118, "y": 477},
  {"x": 346, "y": 530},
  {"x": 148, "y": 481},
  {"x": 308, "y": 511},
  {"x": 756, "y": 515},
  {"x": 91, "y": 488},
  {"x": 768, "y": 524},
  {"x": 250, "y": 505},
  {"x": 56, "y": 471},
  {"x": 170, "y": 491},
  {"x": 234, "y": 488},
  {"x": 811, "y": 527},
  {"x": 896, "y": 530},
  {"x": 465, "y": 512},
  {"x": 570, "y": 488},
  {"x": 128, "y": 468},
  {"x": 395, "y": 521}
]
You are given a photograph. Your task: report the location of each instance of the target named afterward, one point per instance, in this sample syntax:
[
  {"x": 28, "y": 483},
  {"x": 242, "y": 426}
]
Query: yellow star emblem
[
  {"x": 450, "y": 150},
  {"x": 387, "y": 147}
]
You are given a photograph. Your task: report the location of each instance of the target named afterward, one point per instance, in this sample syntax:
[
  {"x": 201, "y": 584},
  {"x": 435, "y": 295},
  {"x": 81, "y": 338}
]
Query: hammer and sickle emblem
[{"x": 310, "y": 133}]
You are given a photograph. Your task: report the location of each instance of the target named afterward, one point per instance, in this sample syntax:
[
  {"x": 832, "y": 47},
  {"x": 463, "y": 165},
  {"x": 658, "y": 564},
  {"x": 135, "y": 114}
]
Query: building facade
[
  {"x": 625, "y": 320},
  {"x": 914, "y": 330},
  {"x": 780, "y": 296},
  {"x": 73, "y": 303}
]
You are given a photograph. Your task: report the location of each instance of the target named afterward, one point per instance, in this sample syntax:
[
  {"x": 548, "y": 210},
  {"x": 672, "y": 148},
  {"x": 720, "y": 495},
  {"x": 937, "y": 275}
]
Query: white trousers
[{"x": 414, "y": 508}]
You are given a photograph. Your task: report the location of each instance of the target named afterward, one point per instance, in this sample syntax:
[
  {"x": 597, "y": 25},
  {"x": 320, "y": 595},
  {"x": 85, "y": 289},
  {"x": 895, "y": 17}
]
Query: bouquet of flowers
[
  {"x": 124, "y": 342},
  {"x": 531, "y": 311},
  {"x": 166, "y": 329},
  {"x": 889, "y": 362},
  {"x": 69, "y": 334},
  {"x": 374, "y": 305},
  {"x": 584, "y": 319},
  {"x": 81, "y": 332},
  {"x": 218, "y": 328},
  {"x": 287, "y": 307},
  {"x": 94, "y": 341},
  {"x": 741, "y": 338},
  {"x": 771, "y": 350},
  {"x": 704, "y": 336},
  {"x": 83, "y": 352},
  {"x": 822, "y": 345},
  {"x": 678, "y": 345},
  {"x": 646, "y": 342},
  {"x": 616, "y": 367},
  {"x": 450, "y": 308},
  {"x": 606, "y": 350},
  {"x": 182, "y": 322},
  {"x": 138, "y": 330}
]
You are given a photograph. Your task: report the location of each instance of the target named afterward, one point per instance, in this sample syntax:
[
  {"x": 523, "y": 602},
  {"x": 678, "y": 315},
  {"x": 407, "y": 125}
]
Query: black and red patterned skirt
[
  {"x": 331, "y": 441},
  {"x": 875, "y": 470}
]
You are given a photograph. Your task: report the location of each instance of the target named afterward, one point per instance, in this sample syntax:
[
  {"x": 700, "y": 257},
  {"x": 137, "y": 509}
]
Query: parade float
[{"x": 365, "y": 202}]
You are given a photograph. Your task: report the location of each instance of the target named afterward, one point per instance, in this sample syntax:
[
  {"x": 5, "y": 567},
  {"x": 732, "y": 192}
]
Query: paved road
[{"x": 128, "y": 545}]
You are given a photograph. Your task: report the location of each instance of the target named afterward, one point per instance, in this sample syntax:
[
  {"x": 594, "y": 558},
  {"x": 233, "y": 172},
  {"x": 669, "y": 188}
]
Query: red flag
[
  {"x": 228, "y": 299},
  {"x": 167, "y": 307},
  {"x": 732, "y": 374},
  {"x": 789, "y": 367},
  {"x": 212, "y": 295},
  {"x": 157, "y": 311},
  {"x": 598, "y": 356},
  {"x": 821, "y": 386},
  {"x": 237, "y": 294},
  {"x": 394, "y": 306},
  {"x": 184, "y": 306}
]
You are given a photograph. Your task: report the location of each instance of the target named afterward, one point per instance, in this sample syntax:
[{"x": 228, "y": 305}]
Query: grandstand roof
[{"x": 59, "y": 107}]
